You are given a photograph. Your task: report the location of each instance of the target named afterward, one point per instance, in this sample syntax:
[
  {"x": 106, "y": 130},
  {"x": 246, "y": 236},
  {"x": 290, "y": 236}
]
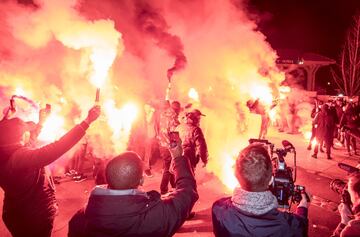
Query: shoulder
[
  {"x": 352, "y": 229},
  {"x": 77, "y": 222},
  {"x": 197, "y": 130},
  {"x": 154, "y": 195},
  {"x": 222, "y": 204}
]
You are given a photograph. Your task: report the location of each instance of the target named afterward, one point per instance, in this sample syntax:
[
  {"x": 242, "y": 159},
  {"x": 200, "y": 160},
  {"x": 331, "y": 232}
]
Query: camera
[
  {"x": 283, "y": 187},
  {"x": 340, "y": 187}
]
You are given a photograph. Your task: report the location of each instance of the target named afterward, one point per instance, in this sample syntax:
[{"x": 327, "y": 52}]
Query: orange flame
[
  {"x": 261, "y": 92},
  {"x": 227, "y": 173},
  {"x": 120, "y": 121},
  {"x": 53, "y": 128},
  {"x": 284, "y": 91}
]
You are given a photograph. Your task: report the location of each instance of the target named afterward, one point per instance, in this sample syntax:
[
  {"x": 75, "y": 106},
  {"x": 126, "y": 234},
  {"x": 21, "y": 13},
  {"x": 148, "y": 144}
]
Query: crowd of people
[
  {"x": 121, "y": 208},
  {"x": 336, "y": 119}
]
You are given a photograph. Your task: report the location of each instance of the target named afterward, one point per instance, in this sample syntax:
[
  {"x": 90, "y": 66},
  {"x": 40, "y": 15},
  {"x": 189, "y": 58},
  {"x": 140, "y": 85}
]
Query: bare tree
[{"x": 347, "y": 73}]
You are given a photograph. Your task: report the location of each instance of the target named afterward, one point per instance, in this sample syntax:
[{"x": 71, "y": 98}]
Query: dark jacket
[
  {"x": 140, "y": 214},
  {"x": 348, "y": 119},
  {"x": 231, "y": 221},
  {"x": 194, "y": 145},
  {"x": 326, "y": 123},
  {"x": 29, "y": 197}
]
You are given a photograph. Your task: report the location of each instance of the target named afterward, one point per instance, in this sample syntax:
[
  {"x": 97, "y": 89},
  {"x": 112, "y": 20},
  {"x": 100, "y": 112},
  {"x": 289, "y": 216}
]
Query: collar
[
  {"x": 104, "y": 190},
  {"x": 256, "y": 203}
]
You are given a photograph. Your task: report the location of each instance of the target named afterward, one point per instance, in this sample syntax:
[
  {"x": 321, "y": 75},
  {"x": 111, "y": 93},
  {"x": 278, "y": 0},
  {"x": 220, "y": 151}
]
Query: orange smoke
[{"x": 75, "y": 42}]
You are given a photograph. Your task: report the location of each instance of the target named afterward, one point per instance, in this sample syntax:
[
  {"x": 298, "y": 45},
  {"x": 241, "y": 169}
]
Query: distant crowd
[{"x": 336, "y": 119}]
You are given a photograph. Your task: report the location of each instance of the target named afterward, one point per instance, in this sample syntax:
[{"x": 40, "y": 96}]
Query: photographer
[
  {"x": 350, "y": 217},
  {"x": 29, "y": 204},
  {"x": 122, "y": 209},
  {"x": 252, "y": 209}
]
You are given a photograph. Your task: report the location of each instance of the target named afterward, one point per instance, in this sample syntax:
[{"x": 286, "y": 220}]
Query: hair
[
  {"x": 355, "y": 182},
  {"x": 254, "y": 168},
  {"x": 12, "y": 131},
  {"x": 124, "y": 171}
]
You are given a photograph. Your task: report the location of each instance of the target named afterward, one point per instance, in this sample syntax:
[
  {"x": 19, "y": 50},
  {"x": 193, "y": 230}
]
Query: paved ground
[{"x": 315, "y": 174}]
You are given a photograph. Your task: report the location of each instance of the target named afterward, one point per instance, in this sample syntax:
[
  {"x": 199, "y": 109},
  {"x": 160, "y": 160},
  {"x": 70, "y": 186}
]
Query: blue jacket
[{"x": 231, "y": 221}]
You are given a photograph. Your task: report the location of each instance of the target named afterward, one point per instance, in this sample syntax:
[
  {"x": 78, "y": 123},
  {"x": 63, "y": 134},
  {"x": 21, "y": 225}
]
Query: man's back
[
  {"x": 130, "y": 212},
  {"x": 228, "y": 220},
  {"x": 194, "y": 145},
  {"x": 142, "y": 214}
]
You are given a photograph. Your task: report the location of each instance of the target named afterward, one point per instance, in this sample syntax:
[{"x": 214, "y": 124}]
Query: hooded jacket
[{"x": 135, "y": 213}]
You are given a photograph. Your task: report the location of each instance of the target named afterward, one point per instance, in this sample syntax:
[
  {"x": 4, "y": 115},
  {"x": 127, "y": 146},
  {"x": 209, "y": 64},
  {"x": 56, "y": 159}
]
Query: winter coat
[
  {"x": 29, "y": 196},
  {"x": 231, "y": 221},
  {"x": 326, "y": 122},
  {"x": 194, "y": 145},
  {"x": 139, "y": 214}
]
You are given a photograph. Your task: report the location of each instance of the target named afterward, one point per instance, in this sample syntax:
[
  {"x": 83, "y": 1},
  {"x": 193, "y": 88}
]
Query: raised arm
[
  {"x": 37, "y": 158},
  {"x": 179, "y": 203}
]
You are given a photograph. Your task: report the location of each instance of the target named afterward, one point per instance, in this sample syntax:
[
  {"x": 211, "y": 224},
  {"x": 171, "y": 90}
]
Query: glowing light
[
  {"x": 262, "y": 92},
  {"x": 314, "y": 142},
  {"x": 307, "y": 135},
  {"x": 227, "y": 175},
  {"x": 120, "y": 120},
  {"x": 102, "y": 59},
  {"x": 62, "y": 100},
  {"x": 340, "y": 95},
  {"x": 100, "y": 39},
  {"x": 19, "y": 91},
  {"x": 284, "y": 89},
  {"x": 53, "y": 128},
  {"x": 272, "y": 115},
  {"x": 193, "y": 94}
]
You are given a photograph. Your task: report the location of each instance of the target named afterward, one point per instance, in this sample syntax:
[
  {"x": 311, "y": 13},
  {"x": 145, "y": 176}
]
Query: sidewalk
[{"x": 321, "y": 165}]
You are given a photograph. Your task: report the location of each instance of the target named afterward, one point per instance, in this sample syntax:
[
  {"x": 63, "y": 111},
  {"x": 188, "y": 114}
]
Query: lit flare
[{"x": 193, "y": 94}]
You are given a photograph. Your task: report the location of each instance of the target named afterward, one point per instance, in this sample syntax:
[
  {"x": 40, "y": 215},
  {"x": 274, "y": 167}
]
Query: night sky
[{"x": 317, "y": 26}]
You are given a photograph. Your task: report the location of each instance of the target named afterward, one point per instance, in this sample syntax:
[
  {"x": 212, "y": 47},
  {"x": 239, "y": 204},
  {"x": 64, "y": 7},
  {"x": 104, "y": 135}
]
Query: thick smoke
[
  {"x": 227, "y": 61},
  {"x": 152, "y": 23}
]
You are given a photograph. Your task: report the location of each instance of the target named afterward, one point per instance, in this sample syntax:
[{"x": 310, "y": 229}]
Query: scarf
[{"x": 256, "y": 203}]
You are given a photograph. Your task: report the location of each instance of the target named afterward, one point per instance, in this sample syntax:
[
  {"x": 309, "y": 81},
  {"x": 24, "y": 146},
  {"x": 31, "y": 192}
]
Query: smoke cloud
[{"x": 227, "y": 60}]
